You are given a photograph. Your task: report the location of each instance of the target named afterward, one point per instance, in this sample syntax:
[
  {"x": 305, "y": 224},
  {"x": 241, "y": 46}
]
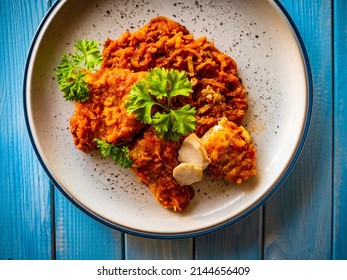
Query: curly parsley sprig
[
  {"x": 71, "y": 70},
  {"x": 119, "y": 154},
  {"x": 168, "y": 122}
]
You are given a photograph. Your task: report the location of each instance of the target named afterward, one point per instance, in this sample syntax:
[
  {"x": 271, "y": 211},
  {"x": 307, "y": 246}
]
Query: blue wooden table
[{"x": 305, "y": 219}]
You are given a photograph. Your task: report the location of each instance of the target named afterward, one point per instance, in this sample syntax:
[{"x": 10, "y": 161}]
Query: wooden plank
[
  {"x": 139, "y": 248},
  {"x": 25, "y": 193},
  {"x": 340, "y": 128},
  {"x": 240, "y": 241},
  {"x": 79, "y": 237},
  {"x": 298, "y": 217}
]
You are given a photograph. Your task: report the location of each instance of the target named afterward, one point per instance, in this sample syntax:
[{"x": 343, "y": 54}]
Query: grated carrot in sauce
[{"x": 217, "y": 93}]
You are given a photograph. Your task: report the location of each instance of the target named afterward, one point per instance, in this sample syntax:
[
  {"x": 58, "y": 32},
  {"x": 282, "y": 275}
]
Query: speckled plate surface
[{"x": 273, "y": 66}]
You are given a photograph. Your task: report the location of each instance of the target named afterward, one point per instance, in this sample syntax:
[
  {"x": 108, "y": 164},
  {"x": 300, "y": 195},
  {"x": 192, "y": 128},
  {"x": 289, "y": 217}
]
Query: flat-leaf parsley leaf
[
  {"x": 119, "y": 154},
  {"x": 71, "y": 70},
  {"x": 158, "y": 89}
]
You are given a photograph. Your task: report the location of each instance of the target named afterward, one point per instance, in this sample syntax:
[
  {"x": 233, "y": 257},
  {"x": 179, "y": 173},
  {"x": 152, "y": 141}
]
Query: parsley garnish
[
  {"x": 119, "y": 154},
  {"x": 162, "y": 85},
  {"x": 71, "y": 70}
]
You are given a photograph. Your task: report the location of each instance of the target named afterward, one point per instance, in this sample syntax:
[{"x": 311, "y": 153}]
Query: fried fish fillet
[
  {"x": 104, "y": 115},
  {"x": 154, "y": 160},
  {"x": 232, "y": 155}
]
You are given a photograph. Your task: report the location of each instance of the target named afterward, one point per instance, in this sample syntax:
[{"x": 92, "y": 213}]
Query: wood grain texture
[
  {"x": 298, "y": 218},
  {"x": 139, "y": 248},
  {"x": 25, "y": 194},
  {"x": 240, "y": 241},
  {"x": 340, "y": 128},
  {"x": 79, "y": 237}
]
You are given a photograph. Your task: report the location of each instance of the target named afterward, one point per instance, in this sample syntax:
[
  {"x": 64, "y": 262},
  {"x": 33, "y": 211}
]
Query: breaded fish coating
[
  {"x": 154, "y": 160},
  {"x": 104, "y": 115},
  {"x": 232, "y": 155}
]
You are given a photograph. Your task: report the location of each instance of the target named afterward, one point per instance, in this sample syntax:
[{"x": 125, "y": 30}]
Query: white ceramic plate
[{"x": 272, "y": 63}]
